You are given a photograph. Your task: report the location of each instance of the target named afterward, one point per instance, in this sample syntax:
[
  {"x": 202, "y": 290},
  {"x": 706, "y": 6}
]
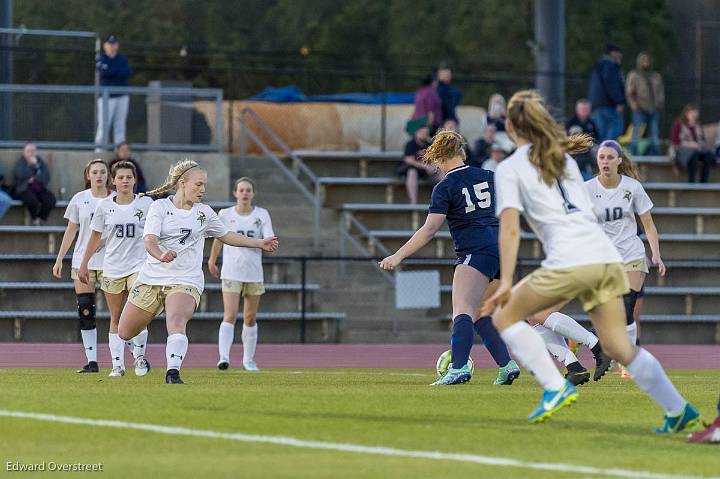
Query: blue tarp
[{"x": 291, "y": 94}]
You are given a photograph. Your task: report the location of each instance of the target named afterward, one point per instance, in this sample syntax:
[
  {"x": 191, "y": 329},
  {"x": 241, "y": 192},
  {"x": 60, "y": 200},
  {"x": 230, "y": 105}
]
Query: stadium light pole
[
  {"x": 6, "y": 69},
  {"x": 550, "y": 53}
]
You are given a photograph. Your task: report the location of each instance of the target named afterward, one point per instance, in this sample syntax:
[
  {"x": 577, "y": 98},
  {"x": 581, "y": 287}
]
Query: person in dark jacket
[
  {"x": 582, "y": 123},
  {"x": 114, "y": 70},
  {"x": 606, "y": 91},
  {"x": 449, "y": 95},
  {"x": 124, "y": 153},
  {"x": 5, "y": 199},
  {"x": 31, "y": 178}
]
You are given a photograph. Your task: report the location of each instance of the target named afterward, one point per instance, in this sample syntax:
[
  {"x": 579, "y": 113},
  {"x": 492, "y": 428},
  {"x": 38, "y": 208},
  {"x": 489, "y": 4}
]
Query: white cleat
[
  {"x": 142, "y": 366},
  {"x": 250, "y": 366},
  {"x": 223, "y": 364},
  {"x": 117, "y": 373}
]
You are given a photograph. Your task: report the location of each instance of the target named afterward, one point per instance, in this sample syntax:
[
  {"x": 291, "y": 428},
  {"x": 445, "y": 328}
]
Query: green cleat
[
  {"x": 455, "y": 376},
  {"x": 686, "y": 419},
  {"x": 553, "y": 401},
  {"x": 507, "y": 374}
]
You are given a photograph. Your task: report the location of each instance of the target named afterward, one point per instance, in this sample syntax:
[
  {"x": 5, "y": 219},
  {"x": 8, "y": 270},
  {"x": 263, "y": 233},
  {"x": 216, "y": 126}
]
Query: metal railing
[
  {"x": 62, "y": 116},
  {"x": 299, "y": 174}
]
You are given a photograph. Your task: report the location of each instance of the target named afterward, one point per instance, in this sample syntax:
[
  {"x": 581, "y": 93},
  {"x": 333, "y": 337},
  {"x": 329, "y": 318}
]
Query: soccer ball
[{"x": 445, "y": 360}]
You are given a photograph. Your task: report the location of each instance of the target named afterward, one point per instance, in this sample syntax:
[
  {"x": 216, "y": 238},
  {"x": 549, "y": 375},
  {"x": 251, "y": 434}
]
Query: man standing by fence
[
  {"x": 645, "y": 93},
  {"x": 606, "y": 92},
  {"x": 114, "y": 70}
]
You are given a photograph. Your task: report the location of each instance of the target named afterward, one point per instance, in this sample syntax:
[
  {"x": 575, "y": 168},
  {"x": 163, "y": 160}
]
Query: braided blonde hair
[
  {"x": 531, "y": 120},
  {"x": 447, "y": 144},
  {"x": 177, "y": 171}
]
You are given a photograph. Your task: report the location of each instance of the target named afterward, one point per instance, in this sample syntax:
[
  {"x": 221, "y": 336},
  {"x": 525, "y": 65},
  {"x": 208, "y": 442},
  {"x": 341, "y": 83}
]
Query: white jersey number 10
[{"x": 482, "y": 194}]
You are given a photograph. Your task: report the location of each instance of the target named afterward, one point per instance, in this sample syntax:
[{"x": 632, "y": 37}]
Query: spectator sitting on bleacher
[
  {"x": 412, "y": 167},
  {"x": 582, "y": 123},
  {"x": 124, "y": 153},
  {"x": 481, "y": 152},
  {"x": 452, "y": 125},
  {"x": 497, "y": 154},
  {"x": 496, "y": 111},
  {"x": 5, "y": 199},
  {"x": 31, "y": 178},
  {"x": 495, "y": 115},
  {"x": 428, "y": 103},
  {"x": 689, "y": 146}
]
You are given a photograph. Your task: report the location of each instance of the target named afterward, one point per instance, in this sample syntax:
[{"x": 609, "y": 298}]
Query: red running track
[{"x": 71, "y": 355}]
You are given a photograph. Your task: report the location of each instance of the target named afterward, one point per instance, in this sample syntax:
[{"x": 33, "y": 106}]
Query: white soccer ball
[{"x": 445, "y": 361}]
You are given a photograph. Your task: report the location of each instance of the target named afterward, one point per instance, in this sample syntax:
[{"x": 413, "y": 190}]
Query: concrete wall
[{"x": 66, "y": 168}]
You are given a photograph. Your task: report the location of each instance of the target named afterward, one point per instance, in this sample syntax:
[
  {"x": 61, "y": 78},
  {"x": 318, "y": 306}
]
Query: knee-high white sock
[
  {"x": 116, "y": 350},
  {"x": 249, "y": 340},
  {"x": 528, "y": 348},
  {"x": 175, "y": 351},
  {"x": 89, "y": 339},
  {"x": 650, "y": 376},
  {"x": 568, "y": 327},
  {"x": 226, "y": 335},
  {"x": 632, "y": 332},
  {"x": 139, "y": 343},
  {"x": 556, "y": 345}
]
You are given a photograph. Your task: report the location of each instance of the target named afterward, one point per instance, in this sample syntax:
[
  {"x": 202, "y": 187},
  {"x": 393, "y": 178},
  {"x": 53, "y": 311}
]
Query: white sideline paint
[{"x": 356, "y": 448}]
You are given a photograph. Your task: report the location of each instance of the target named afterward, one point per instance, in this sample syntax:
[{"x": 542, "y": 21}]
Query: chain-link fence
[{"x": 64, "y": 116}]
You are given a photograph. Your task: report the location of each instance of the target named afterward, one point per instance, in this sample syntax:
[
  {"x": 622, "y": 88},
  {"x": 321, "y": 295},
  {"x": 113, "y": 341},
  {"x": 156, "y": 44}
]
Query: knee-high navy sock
[
  {"x": 492, "y": 340},
  {"x": 462, "y": 340}
]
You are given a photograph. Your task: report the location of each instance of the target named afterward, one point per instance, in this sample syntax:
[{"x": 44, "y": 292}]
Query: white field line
[{"x": 355, "y": 448}]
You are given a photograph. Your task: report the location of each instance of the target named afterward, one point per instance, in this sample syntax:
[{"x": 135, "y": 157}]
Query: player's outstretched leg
[
  {"x": 461, "y": 344},
  {"x": 117, "y": 355},
  {"x": 139, "y": 342},
  {"x": 508, "y": 369},
  {"x": 711, "y": 433},
  {"x": 556, "y": 345},
  {"x": 226, "y": 335},
  {"x": 88, "y": 331},
  {"x": 645, "y": 369},
  {"x": 571, "y": 329},
  {"x": 175, "y": 351}
]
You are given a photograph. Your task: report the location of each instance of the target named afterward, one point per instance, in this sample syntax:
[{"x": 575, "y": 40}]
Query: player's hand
[
  {"x": 390, "y": 263},
  {"x": 269, "y": 244},
  {"x": 168, "y": 256},
  {"x": 57, "y": 269},
  {"x": 499, "y": 299},
  {"x": 84, "y": 274},
  {"x": 657, "y": 261},
  {"x": 214, "y": 270}
]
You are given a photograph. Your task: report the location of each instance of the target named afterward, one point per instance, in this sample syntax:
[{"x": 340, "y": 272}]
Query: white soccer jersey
[
  {"x": 616, "y": 209},
  {"x": 239, "y": 263},
  {"x": 182, "y": 231},
  {"x": 122, "y": 226},
  {"x": 80, "y": 211},
  {"x": 561, "y": 214}
]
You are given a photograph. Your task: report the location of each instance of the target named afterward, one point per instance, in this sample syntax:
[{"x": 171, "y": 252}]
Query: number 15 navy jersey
[{"x": 467, "y": 198}]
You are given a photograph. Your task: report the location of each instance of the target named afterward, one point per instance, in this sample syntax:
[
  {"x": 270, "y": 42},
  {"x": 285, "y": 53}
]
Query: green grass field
[{"x": 609, "y": 427}]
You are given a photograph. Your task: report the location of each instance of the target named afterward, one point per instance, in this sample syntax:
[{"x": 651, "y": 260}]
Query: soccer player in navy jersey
[{"x": 465, "y": 197}]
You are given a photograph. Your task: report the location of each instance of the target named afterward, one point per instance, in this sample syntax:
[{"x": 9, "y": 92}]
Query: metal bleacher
[
  {"x": 686, "y": 214},
  {"x": 30, "y": 296}
]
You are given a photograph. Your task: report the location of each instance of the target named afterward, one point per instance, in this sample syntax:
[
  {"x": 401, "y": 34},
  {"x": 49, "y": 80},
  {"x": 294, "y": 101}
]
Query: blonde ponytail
[
  {"x": 531, "y": 121},
  {"x": 177, "y": 171}
]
